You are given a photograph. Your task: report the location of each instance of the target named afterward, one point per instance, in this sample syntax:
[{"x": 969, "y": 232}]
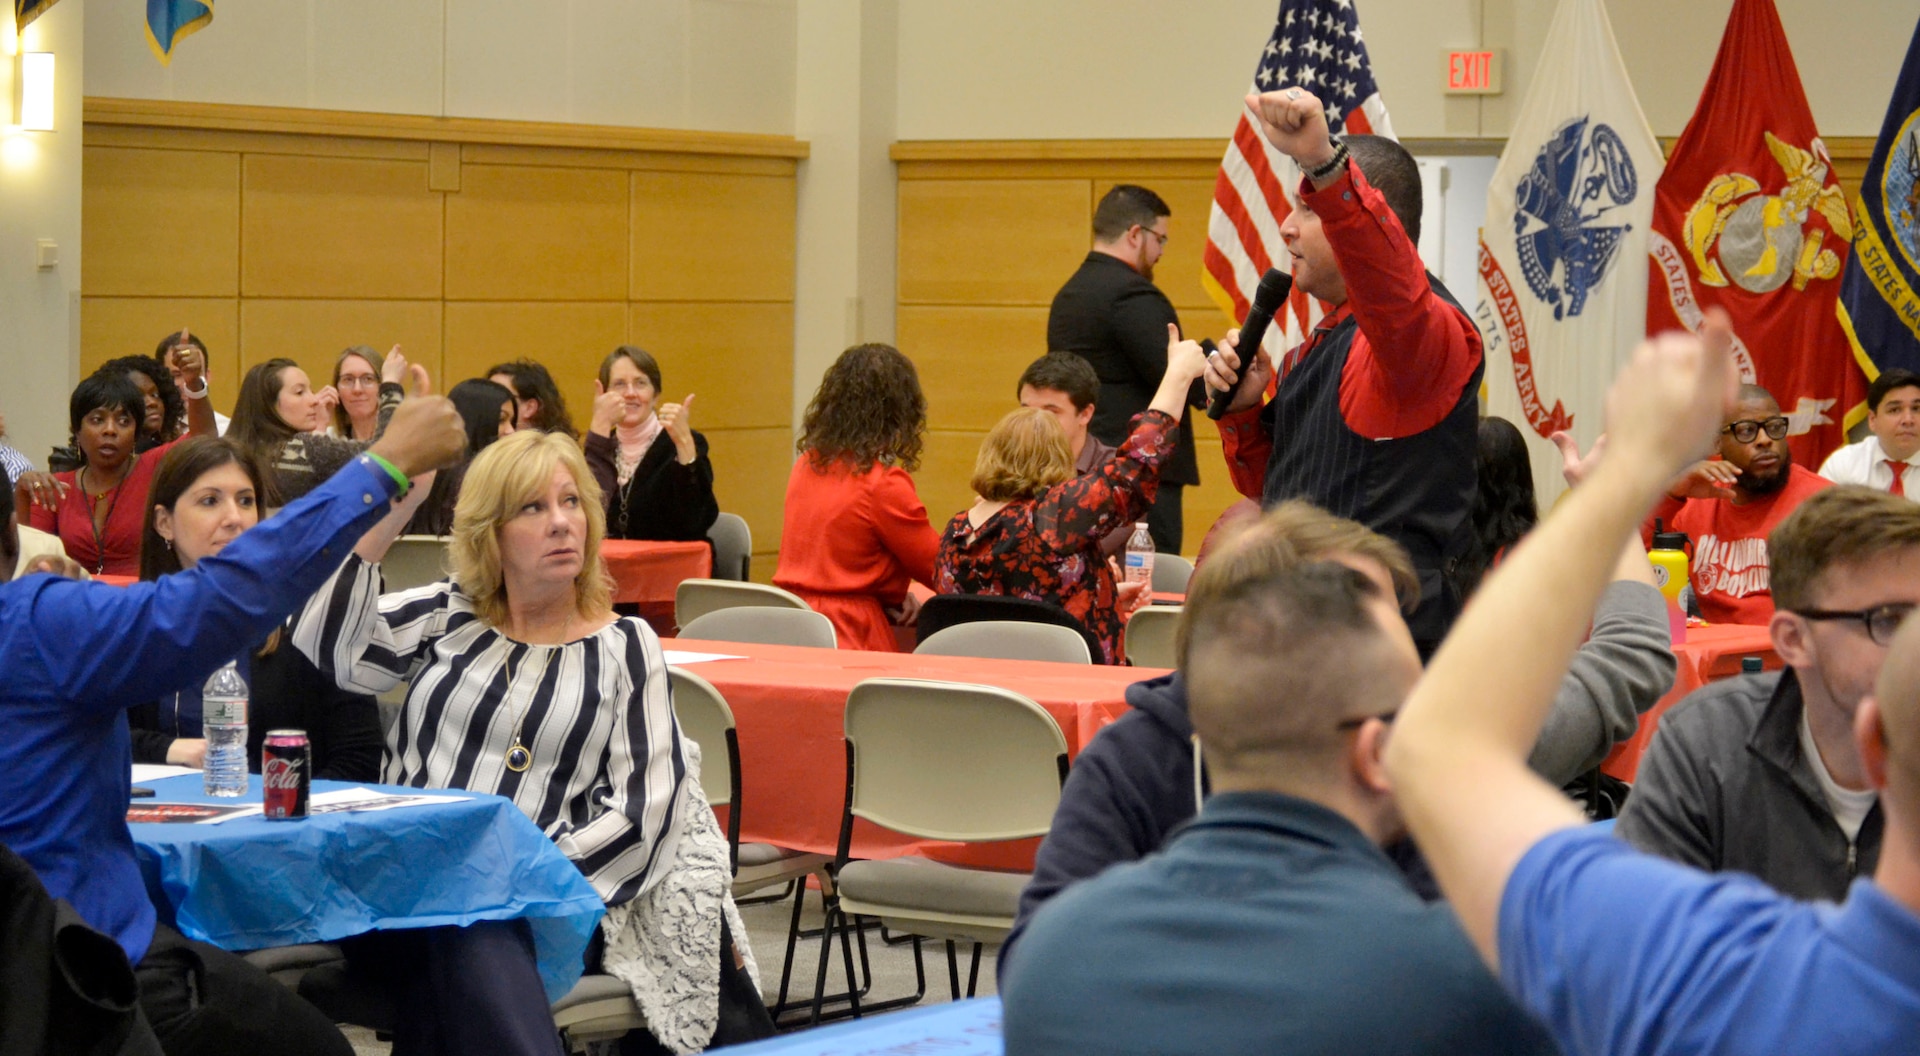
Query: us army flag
[
  {"x": 1750, "y": 217},
  {"x": 1563, "y": 266}
]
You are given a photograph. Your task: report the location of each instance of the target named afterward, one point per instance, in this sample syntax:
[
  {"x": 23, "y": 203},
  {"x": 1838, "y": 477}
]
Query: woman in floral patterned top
[{"x": 1035, "y": 531}]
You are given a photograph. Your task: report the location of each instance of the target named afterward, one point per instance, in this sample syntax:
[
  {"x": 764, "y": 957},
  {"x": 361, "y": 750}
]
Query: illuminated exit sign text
[{"x": 1472, "y": 72}]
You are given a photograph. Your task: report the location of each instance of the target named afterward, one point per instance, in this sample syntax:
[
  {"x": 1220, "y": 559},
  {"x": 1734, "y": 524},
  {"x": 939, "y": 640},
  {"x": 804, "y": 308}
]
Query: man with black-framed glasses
[
  {"x": 1762, "y": 774},
  {"x": 1727, "y": 505}
]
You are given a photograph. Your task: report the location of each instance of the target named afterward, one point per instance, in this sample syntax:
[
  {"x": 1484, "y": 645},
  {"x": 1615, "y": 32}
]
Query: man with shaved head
[
  {"x": 1726, "y": 506},
  {"x": 1272, "y": 922}
]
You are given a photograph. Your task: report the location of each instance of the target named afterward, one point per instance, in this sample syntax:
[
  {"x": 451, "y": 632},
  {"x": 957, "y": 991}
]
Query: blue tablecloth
[
  {"x": 960, "y": 1028},
  {"x": 250, "y": 883}
]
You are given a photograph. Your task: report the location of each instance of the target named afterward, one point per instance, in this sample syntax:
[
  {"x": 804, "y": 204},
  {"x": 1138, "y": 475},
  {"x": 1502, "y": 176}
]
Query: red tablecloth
[
  {"x": 1709, "y": 654},
  {"x": 648, "y": 572},
  {"x": 790, "y": 702}
]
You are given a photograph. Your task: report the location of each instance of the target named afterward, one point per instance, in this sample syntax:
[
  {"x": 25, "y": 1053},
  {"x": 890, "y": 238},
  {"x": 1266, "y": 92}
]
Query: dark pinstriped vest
[{"x": 1417, "y": 490}]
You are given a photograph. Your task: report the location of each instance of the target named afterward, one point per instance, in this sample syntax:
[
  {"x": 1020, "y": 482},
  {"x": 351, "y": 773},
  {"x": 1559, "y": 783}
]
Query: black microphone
[{"x": 1274, "y": 287}]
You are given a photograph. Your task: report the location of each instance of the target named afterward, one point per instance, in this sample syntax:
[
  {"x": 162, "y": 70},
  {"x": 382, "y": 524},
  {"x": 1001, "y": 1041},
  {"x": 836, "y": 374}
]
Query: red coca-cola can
[{"x": 286, "y": 771}]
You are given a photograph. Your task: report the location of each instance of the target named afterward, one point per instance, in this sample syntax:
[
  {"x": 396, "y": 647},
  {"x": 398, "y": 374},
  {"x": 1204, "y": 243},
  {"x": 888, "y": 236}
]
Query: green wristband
[{"x": 398, "y": 477}]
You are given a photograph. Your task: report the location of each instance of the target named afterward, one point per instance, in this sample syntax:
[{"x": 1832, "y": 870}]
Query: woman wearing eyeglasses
[{"x": 1727, "y": 505}]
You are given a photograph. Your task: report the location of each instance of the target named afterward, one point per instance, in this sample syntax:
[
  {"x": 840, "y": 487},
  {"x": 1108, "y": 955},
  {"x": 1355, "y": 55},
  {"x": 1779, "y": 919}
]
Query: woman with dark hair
[
  {"x": 489, "y": 413},
  {"x": 1036, "y": 529},
  {"x": 856, "y": 533},
  {"x": 1503, "y": 507},
  {"x": 541, "y": 405},
  {"x": 649, "y": 462},
  {"x": 204, "y": 494},
  {"x": 356, "y": 392},
  {"x": 277, "y": 418},
  {"x": 97, "y": 509},
  {"x": 166, "y": 410}
]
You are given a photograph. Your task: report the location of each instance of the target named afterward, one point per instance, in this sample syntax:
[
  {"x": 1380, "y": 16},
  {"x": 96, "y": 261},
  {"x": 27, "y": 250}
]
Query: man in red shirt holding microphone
[{"x": 1375, "y": 415}]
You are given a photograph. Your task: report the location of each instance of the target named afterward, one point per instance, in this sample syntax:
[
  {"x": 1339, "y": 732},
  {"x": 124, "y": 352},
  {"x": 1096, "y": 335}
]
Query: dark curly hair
[
  {"x": 868, "y": 409},
  {"x": 531, "y": 381},
  {"x": 1504, "y": 508},
  {"x": 174, "y": 405}
]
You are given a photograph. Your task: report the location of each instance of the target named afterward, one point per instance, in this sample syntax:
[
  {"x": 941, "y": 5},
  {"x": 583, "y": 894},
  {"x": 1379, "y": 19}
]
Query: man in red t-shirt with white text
[{"x": 1727, "y": 506}]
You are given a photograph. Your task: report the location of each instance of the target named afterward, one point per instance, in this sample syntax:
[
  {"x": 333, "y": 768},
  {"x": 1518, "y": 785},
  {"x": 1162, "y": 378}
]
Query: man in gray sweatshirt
[{"x": 1761, "y": 774}]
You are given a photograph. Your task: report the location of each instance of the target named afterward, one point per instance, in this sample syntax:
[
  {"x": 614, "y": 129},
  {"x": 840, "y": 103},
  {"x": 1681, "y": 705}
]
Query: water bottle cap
[
  {"x": 1139, "y": 526},
  {"x": 1670, "y": 540},
  {"x": 1752, "y": 665}
]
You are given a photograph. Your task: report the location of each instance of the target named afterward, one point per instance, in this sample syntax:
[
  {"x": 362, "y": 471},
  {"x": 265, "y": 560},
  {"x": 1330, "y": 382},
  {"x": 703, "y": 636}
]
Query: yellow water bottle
[{"x": 1669, "y": 558}]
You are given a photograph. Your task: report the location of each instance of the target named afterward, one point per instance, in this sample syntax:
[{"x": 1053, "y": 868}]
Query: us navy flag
[
  {"x": 1563, "y": 255},
  {"x": 1879, "y": 307}
]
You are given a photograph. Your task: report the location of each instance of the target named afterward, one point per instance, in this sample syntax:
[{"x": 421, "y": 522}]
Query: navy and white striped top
[{"x": 608, "y": 767}]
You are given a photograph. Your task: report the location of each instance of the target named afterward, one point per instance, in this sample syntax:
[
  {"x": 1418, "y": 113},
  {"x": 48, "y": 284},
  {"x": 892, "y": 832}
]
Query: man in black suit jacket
[{"x": 1111, "y": 314}]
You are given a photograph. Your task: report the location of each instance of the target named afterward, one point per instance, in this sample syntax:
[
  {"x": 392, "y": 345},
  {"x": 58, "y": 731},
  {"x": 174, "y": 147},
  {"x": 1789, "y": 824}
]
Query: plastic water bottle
[
  {"x": 1139, "y": 567},
  {"x": 223, "y": 710}
]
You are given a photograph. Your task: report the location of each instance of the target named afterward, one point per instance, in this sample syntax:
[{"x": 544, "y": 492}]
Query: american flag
[{"x": 1316, "y": 45}]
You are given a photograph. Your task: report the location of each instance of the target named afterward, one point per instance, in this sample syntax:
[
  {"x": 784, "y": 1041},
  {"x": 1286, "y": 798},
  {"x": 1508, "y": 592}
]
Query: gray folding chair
[
  {"x": 1170, "y": 573},
  {"x": 763, "y": 626},
  {"x": 939, "y": 761},
  {"x": 706, "y": 718},
  {"x": 1150, "y": 636},
  {"x": 1009, "y": 640},
  {"x": 694, "y": 598},
  {"x": 732, "y": 547}
]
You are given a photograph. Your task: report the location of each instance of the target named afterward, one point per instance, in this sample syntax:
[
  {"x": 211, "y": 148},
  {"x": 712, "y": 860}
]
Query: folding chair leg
[
  {"x": 768, "y": 900},
  {"x": 973, "y": 974},
  {"x": 953, "y": 972}
]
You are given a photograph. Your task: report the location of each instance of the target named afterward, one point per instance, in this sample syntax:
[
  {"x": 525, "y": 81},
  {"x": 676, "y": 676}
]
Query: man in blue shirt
[
  {"x": 1272, "y": 922},
  {"x": 78, "y": 654},
  {"x": 1617, "y": 951}
]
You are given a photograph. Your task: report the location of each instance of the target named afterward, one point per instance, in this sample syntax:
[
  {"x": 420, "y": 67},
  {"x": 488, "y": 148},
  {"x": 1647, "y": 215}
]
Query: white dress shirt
[{"x": 1866, "y": 463}]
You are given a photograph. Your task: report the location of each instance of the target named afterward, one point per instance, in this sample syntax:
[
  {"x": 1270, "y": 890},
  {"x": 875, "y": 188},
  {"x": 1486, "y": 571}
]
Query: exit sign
[{"x": 1472, "y": 72}]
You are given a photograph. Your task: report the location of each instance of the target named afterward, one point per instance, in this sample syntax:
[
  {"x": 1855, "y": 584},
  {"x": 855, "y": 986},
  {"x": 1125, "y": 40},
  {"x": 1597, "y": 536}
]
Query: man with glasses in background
[
  {"x": 1726, "y": 506},
  {"x": 1761, "y": 773},
  {"x": 1112, "y": 315}
]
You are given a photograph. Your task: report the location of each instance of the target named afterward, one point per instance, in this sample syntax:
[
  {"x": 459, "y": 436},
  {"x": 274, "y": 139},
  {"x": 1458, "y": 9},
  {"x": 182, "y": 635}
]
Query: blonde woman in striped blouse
[{"x": 524, "y": 684}]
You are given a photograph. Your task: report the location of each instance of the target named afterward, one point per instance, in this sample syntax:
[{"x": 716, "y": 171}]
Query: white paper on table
[
  {"x": 344, "y": 800},
  {"x": 143, "y": 772},
  {"x": 681, "y": 657}
]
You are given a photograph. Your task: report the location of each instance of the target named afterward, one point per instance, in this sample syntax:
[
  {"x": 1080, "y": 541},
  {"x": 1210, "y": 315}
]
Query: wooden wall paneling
[
  {"x": 313, "y": 333},
  {"x": 946, "y": 465},
  {"x": 1203, "y": 505},
  {"x": 737, "y": 358},
  {"x": 339, "y": 227},
  {"x": 523, "y": 233},
  {"x": 160, "y": 223},
  {"x": 126, "y": 326},
  {"x": 569, "y": 337},
  {"x": 750, "y": 470},
  {"x": 1006, "y": 242},
  {"x": 711, "y": 237},
  {"x": 970, "y": 359}
]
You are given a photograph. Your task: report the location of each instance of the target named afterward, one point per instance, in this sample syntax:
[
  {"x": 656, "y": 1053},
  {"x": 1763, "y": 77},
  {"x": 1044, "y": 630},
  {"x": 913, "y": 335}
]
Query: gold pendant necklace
[{"x": 518, "y": 757}]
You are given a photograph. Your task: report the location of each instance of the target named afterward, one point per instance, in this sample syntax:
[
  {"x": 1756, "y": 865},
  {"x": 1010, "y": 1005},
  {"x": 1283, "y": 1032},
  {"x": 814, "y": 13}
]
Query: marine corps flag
[
  {"x": 1750, "y": 217},
  {"x": 1880, "y": 292},
  {"x": 1563, "y": 289}
]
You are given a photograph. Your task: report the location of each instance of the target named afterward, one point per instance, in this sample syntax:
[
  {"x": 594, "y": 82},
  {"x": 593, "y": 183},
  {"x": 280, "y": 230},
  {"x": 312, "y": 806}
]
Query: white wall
[
  {"x": 715, "y": 65},
  {"x": 40, "y": 198},
  {"x": 1091, "y": 69}
]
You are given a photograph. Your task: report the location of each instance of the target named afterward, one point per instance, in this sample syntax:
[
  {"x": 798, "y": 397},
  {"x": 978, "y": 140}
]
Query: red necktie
[{"x": 1899, "y": 478}]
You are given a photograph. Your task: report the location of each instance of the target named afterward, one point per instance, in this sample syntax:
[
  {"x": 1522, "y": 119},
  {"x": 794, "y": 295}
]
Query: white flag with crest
[{"x": 1563, "y": 255}]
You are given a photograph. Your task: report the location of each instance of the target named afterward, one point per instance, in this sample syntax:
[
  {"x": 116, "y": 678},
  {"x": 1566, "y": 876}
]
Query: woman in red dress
[
  {"x": 856, "y": 533},
  {"x": 1035, "y": 532},
  {"x": 98, "y": 509}
]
